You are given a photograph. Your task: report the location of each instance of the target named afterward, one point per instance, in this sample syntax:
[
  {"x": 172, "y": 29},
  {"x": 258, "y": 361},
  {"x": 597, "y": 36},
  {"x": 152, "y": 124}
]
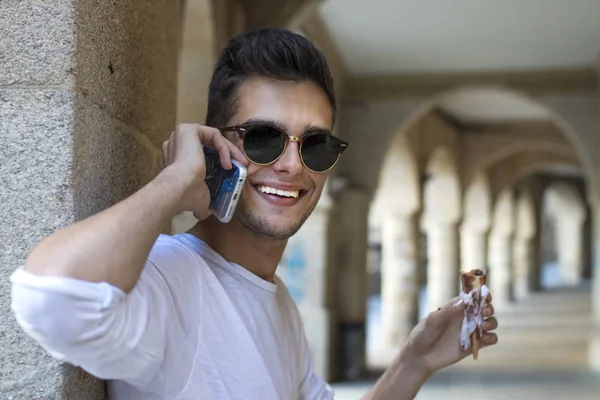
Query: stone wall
[{"x": 87, "y": 94}]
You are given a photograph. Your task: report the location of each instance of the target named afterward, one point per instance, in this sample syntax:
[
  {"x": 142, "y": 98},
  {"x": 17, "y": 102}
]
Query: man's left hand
[{"x": 435, "y": 342}]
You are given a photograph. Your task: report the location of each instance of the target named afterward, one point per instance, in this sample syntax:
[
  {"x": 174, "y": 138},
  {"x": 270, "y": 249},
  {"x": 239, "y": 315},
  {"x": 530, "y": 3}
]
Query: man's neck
[{"x": 236, "y": 244}]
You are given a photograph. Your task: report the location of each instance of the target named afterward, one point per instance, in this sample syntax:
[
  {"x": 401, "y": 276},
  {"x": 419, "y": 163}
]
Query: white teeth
[{"x": 279, "y": 192}]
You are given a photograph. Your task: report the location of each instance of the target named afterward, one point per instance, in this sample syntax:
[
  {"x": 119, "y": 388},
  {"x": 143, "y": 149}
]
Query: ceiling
[
  {"x": 442, "y": 36},
  {"x": 490, "y": 105}
]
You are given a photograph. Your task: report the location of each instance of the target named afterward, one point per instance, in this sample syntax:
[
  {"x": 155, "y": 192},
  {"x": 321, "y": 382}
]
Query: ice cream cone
[{"x": 474, "y": 279}]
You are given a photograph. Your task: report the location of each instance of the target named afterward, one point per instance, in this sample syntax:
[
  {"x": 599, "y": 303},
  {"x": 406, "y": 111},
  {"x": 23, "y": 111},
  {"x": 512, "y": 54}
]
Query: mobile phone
[{"x": 224, "y": 186}]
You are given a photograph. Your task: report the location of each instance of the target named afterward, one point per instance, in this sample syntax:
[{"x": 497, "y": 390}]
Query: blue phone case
[{"x": 224, "y": 186}]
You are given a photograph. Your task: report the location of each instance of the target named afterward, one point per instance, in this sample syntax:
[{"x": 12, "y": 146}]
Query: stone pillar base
[
  {"x": 571, "y": 274},
  {"x": 352, "y": 360}
]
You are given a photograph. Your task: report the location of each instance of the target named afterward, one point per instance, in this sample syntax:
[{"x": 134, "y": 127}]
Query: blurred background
[{"x": 474, "y": 128}]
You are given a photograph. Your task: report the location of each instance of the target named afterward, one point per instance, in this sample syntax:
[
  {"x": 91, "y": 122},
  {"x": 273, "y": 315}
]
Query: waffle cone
[{"x": 473, "y": 279}]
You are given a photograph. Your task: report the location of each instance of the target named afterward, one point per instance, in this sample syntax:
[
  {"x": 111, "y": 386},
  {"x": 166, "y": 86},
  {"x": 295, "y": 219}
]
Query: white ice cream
[{"x": 473, "y": 316}]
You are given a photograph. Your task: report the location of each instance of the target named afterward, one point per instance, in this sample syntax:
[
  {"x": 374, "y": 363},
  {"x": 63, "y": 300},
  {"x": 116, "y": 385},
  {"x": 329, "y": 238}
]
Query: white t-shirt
[{"x": 194, "y": 327}]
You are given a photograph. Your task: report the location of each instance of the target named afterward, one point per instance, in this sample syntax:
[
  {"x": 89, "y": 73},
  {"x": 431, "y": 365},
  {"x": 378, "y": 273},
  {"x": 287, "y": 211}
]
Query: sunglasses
[{"x": 265, "y": 144}]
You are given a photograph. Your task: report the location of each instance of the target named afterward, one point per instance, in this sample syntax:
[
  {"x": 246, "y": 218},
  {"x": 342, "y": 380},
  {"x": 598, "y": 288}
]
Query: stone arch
[
  {"x": 398, "y": 189},
  {"x": 503, "y": 151},
  {"x": 375, "y": 116},
  {"x": 571, "y": 121},
  {"x": 564, "y": 206},
  {"x": 441, "y": 191},
  {"x": 517, "y": 166},
  {"x": 476, "y": 223},
  {"x": 541, "y": 109},
  {"x": 357, "y": 119},
  {"x": 441, "y": 214}
]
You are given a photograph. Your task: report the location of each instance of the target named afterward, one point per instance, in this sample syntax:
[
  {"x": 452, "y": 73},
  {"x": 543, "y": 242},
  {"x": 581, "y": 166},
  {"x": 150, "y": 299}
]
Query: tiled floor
[{"x": 451, "y": 385}]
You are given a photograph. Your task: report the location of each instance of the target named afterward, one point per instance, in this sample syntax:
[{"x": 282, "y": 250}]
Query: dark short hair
[{"x": 266, "y": 52}]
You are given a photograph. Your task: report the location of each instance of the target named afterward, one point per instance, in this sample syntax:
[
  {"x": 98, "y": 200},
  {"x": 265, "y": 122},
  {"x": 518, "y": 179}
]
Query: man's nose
[{"x": 290, "y": 161}]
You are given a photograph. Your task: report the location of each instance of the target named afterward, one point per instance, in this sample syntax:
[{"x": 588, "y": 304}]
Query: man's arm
[
  {"x": 432, "y": 345},
  {"x": 96, "y": 326},
  {"x": 401, "y": 381},
  {"x": 113, "y": 245}
]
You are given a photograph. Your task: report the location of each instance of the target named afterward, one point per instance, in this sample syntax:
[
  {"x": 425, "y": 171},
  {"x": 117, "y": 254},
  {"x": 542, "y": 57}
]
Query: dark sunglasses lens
[
  {"x": 263, "y": 144},
  {"x": 320, "y": 152}
]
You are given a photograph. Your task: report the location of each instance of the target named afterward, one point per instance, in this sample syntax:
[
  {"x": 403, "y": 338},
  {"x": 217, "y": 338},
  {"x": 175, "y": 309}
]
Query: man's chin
[{"x": 273, "y": 227}]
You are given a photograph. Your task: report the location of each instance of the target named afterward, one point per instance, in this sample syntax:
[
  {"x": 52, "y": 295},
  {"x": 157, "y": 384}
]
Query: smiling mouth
[
  {"x": 280, "y": 197},
  {"x": 294, "y": 194}
]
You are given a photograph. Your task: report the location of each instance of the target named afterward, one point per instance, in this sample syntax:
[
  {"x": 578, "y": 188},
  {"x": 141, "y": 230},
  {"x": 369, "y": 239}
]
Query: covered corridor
[{"x": 469, "y": 154}]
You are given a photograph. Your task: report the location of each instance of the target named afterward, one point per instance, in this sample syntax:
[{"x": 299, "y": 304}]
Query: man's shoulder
[
  {"x": 170, "y": 253},
  {"x": 286, "y": 299}
]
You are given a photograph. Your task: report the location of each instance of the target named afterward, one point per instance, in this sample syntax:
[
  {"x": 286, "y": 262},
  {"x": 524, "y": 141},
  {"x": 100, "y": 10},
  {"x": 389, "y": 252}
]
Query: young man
[{"x": 202, "y": 315}]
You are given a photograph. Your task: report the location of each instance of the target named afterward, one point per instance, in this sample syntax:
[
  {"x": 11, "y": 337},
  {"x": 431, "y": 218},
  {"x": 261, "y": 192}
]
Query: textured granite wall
[{"x": 87, "y": 94}]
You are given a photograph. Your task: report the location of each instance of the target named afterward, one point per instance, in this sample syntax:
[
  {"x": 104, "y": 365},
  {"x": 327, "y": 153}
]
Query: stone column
[
  {"x": 87, "y": 95},
  {"x": 523, "y": 264},
  {"x": 304, "y": 269},
  {"x": 525, "y": 230},
  {"x": 473, "y": 249},
  {"x": 400, "y": 286},
  {"x": 348, "y": 238},
  {"x": 443, "y": 269},
  {"x": 594, "y": 351},
  {"x": 501, "y": 249},
  {"x": 570, "y": 253}
]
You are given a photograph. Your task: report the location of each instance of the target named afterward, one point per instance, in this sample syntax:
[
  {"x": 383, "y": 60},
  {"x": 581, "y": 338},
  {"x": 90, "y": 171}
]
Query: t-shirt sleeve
[
  {"x": 312, "y": 387},
  {"x": 97, "y": 326}
]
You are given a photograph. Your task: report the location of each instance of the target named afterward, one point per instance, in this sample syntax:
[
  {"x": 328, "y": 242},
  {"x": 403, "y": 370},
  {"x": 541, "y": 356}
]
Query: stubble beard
[{"x": 264, "y": 229}]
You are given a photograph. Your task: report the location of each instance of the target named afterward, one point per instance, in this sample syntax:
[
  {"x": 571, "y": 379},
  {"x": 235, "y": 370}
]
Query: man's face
[{"x": 297, "y": 107}]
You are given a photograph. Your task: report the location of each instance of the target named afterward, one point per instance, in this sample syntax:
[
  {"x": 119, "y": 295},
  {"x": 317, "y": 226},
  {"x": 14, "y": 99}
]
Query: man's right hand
[{"x": 184, "y": 159}]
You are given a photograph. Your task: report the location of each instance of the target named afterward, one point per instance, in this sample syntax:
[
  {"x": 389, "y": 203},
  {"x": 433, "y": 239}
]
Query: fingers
[
  {"x": 237, "y": 153},
  {"x": 168, "y": 150},
  {"x": 165, "y": 147},
  {"x": 213, "y": 138},
  {"x": 201, "y": 211},
  {"x": 490, "y": 324},
  {"x": 489, "y": 339},
  {"x": 488, "y": 310}
]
